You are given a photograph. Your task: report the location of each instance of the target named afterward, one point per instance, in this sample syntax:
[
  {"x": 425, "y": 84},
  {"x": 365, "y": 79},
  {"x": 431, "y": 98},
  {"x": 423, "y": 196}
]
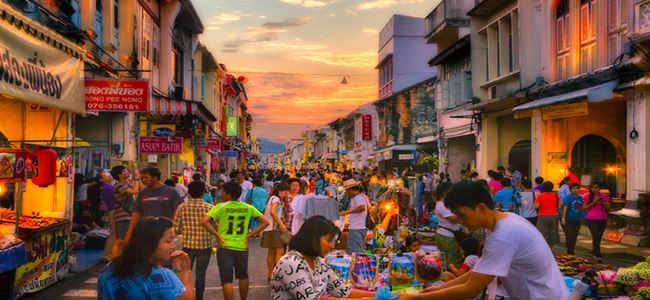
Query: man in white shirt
[
  {"x": 515, "y": 252},
  {"x": 356, "y": 217},
  {"x": 245, "y": 187},
  {"x": 222, "y": 175}
]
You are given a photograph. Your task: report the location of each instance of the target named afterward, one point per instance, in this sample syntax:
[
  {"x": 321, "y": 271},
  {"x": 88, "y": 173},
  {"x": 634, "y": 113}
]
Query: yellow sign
[
  {"x": 47, "y": 262},
  {"x": 556, "y": 157},
  {"x": 565, "y": 110}
]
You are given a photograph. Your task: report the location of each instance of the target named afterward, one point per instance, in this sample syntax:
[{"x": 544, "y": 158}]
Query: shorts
[
  {"x": 548, "y": 226},
  {"x": 228, "y": 259},
  {"x": 121, "y": 227},
  {"x": 271, "y": 239}
]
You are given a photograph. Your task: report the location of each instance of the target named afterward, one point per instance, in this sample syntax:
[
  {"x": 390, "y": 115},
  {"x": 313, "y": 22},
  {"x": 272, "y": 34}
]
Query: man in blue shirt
[
  {"x": 507, "y": 199},
  {"x": 572, "y": 216}
]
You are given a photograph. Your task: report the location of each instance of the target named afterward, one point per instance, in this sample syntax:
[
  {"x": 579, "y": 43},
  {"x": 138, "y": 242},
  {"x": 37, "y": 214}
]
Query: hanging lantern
[{"x": 44, "y": 167}]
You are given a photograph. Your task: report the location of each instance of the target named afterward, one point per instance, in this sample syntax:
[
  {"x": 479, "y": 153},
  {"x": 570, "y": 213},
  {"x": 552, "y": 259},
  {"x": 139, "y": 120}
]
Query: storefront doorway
[
  {"x": 519, "y": 157},
  {"x": 592, "y": 155}
]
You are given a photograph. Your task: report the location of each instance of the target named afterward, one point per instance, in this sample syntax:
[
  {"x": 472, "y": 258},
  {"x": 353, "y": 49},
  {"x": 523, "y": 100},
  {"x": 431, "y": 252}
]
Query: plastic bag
[
  {"x": 428, "y": 266},
  {"x": 364, "y": 271},
  {"x": 340, "y": 264},
  {"x": 402, "y": 269}
]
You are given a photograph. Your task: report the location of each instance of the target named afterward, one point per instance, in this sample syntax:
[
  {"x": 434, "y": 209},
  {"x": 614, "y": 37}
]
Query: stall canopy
[
  {"x": 331, "y": 155},
  {"x": 168, "y": 106},
  {"x": 39, "y": 65},
  {"x": 597, "y": 93}
]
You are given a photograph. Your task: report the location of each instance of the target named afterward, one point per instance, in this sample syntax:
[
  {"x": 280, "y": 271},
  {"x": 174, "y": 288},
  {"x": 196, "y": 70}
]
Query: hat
[{"x": 350, "y": 183}]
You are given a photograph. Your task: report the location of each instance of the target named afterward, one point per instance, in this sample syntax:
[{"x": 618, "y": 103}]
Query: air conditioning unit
[{"x": 497, "y": 91}]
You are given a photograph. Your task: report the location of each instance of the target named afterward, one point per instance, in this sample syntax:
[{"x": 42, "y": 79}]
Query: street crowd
[{"x": 502, "y": 226}]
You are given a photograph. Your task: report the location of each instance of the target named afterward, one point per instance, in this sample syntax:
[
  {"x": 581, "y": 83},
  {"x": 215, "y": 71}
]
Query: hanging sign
[
  {"x": 366, "y": 127},
  {"x": 565, "y": 110},
  {"x": 556, "y": 157},
  {"x": 12, "y": 164},
  {"x": 162, "y": 130},
  {"x": 231, "y": 126},
  {"x": 32, "y": 69},
  {"x": 47, "y": 262},
  {"x": 208, "y": 144},
  {"x": 230, "y": 154},
  {"x": 117, "y": 95},
  {"x": 405, "y": 156},
  {"x": 160, "y": 145}
]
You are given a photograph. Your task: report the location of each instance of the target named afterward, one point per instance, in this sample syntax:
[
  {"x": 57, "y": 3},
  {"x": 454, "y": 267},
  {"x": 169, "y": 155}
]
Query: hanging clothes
[{"x": 321, "y": 205}]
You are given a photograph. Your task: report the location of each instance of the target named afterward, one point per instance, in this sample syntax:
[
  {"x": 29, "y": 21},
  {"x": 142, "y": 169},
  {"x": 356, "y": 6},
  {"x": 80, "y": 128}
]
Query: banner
[
  {"x": 117, "y": 95},
  {"x": 160, "y": 145},
  {"x": 231, "y": 154},
  {"x": 366, "y": 127},
  {"x": 47, "y": 262},
  {"x": 207, "y": 144},
  {"x": 34, "y": 71},
  {"x": 231, "y": 126}
]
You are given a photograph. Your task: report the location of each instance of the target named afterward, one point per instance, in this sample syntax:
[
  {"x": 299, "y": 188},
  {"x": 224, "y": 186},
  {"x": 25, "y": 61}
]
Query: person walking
[
  {"x": 181, "y": 189},
  {"x": 508, "y": 199},
  {"x": 245, "y": 185},
  {"x": 449, "y": 223},
  {"x": 597, "y": 206},
  {"x": 257, "y": 198},
  {"x": 197, "y": 241},
  {"x": 515, "y": 177},
  {"x": 136, "y": 273},
  {"x": 108, "y": 200},
  {"x": 287, "y": 210},
  {"x": 547, "y": 205},
  {"x": 123, "y": 192},
  {"x": 572, "y": 217},
  {"x": 271, "y": 235},
  {"x": 528, "y": 195},
  {"x": 359, "y": 206},
  {"x": 156, "y": 200},
  {"x": 233, "y": 218}
]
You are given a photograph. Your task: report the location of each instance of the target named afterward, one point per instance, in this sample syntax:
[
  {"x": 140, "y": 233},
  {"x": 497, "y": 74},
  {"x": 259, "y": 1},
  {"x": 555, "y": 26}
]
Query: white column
[
  {"x": 637, "y": 154},
  {"x": 536, "y": 144},
  {"x": 169, "y": 10}
]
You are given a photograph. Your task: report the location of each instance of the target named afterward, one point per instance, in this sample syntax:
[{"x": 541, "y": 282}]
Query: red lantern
[
  {"x": 241, "y": 78},
  {"x": 44, "y": 167}
]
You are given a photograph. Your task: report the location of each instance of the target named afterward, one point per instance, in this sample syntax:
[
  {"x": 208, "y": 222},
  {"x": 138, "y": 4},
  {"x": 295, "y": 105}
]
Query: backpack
[
  {"x": 128, "y": 205},
  {"x": 516, "y": 199}
]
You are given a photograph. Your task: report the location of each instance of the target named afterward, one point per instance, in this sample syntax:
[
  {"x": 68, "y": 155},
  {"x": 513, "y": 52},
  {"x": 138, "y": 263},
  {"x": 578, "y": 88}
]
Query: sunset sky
[{"x": 310, "y": 45}]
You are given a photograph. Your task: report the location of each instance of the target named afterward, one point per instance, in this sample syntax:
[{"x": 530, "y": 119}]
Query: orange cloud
[{"x": 361, "y": 59}]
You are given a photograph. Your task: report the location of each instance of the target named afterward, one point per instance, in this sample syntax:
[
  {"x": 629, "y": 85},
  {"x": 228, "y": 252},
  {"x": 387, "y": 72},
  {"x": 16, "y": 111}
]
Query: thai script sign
[
  {"x": 556, "y": 157},
  {"x": 33, "y": 70},
  {"x": 366, "y": 127},
  {"x": 117, "y": 95},
  {"x": 160, "y": 145},
  {"x": 47, "y": 262},
  {"x": 230, "y": 154},
  {"x": 207, "y": 144},
  {"x": 565, "y": 110}
]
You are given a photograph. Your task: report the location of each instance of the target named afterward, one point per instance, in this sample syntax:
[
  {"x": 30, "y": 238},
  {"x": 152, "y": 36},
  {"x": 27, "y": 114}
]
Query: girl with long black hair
[
  {"x": 271, "y": 234},
  {"x": 596, "y": 206}
]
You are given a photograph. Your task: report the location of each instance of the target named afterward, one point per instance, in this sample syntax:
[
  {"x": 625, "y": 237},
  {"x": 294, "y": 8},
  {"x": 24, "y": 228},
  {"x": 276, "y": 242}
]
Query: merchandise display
[
  {"x": 364, "y": 271},
  {"x": 402, "y": 269},
  {"x": 340, "y": 264},
  {"x": 428, "y": 266}
]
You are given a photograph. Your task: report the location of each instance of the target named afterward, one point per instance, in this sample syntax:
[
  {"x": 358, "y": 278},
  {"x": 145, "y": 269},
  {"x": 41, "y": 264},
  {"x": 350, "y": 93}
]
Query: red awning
[{"x": 168, "y": 106}]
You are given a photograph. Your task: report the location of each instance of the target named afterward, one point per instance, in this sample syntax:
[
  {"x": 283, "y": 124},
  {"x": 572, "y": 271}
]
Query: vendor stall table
[{"x": 10, "y": 259}]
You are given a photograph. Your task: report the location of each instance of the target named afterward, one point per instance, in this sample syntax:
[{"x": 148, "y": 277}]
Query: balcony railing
[{"x": 452, "y": 13}]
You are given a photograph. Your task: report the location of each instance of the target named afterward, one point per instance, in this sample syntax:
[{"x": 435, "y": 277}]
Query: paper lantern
[{"x": 44, "y": 167}]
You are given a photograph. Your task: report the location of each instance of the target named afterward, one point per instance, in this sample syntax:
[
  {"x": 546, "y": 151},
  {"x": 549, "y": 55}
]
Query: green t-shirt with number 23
[{"x": 233, "y": 218}]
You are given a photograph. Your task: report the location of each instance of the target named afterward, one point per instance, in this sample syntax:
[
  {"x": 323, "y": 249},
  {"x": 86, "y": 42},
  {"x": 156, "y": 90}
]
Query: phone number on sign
[{"x": 112, "y": 106}]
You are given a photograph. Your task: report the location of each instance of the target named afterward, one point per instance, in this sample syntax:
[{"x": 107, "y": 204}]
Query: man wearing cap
[{"x": 356, "y": 216}]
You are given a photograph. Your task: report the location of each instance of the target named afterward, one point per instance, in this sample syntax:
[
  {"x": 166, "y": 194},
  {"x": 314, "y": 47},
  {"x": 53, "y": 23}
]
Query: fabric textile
[
  {"x": 547, "y": 225},
  {"x": 287, "y": 213},
  {"x": 450, "y": 247},
  {"x": 293, "y": 278},
  {"x": 539, "y": 188},
  {"x": 319, "y": 205},
  {"x": 202, "y": 259},
  {"x": 258, "y": 198},
  {"x": 188, "y": 223},
  {"x": 516, "y": 253},
  {"x": 297, "y": 208},
  {"x": 161, "y": 284},
  {"x": 549, "y": 204},
  {"x": 160, "y": 202},
  {"x": 233, "y": 218}
]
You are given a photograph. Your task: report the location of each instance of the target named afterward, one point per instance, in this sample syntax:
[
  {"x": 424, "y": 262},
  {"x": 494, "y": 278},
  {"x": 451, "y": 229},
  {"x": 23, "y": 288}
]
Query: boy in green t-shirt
[{"x": 232, "y": 239}]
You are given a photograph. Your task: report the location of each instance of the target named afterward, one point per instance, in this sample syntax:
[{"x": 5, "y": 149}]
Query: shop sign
[
  {"x": 47, "y": 262},
  {"x": 162, "y": 130},
  {"x": 208, "y": 144},
  {"x": 117, "y": 95},
  {"x": 231, "y": 126},
  {"x": 366, "y": 127},
  {"x": 160, "y": 145},
  {"x": 12, "y": 164},
  {"x": 406, "y": 156},
  {"x": 556, "y": 157},
  {"x": 565, "y": 110},
  {"x": 32, "y": 70},
  {"x": 229, "y": 154}
]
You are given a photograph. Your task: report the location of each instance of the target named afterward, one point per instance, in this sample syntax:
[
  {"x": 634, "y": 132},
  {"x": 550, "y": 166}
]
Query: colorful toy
[
  {"x": 340, "y": 265},
  {"x": 364, "y": 271},
  {"x": 428, "y": 266},
  {"x": 402, "y": 269}
]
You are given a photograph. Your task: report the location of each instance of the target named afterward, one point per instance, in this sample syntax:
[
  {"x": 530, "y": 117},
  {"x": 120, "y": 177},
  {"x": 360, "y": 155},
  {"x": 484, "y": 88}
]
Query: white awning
[{"x": 597, "y": 93}]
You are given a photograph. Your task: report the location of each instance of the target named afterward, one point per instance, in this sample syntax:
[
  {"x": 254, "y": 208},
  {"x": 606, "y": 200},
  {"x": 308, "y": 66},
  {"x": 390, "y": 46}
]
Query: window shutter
[
  {"x": 613, "y": 14},
  {"x": 584, "y": 22},
  {"x": 560, "y": 34},
  {"x": 560, "y": 68},
  {"x": 592, "y": 15},
  {"x": 623, "y": 12},
  {"x": 439, "y": 95},
  {"x": 468, "y": 94}
]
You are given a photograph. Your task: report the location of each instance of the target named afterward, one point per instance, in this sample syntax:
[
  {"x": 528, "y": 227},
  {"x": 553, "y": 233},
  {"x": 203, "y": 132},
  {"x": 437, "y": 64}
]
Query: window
[
  {"x": 502, "y": 43},
  {"x": 156, "y": 46},
  {"x": 462, "y": 62},
  {"x": 177, "y": 65},
  {"x": 587, "y": 36},
  {"x": 617, "y": 28},
  {"x": 116, "y": 14},
  {"x": 386, "y": 79},
  {"x": 561, "y": 42}
]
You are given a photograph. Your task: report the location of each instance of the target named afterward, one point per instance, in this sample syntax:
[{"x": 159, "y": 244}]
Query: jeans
[
  {"x": 597, "y": 229},
  {"x": 571, "y": 232},
  {"x": 202, "y": 258}
]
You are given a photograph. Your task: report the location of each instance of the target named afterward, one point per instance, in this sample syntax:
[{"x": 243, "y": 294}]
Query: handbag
[{"x": 285, "y": 237}]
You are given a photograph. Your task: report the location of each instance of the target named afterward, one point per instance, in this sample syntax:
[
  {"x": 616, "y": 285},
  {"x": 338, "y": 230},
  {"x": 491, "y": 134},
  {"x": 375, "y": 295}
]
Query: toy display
[
  {"x": 340, "y": 264},
  {"x": 364, "y": 271},
  {"x": 402, "y": 269},
  {"x": 428, "y": 266}
]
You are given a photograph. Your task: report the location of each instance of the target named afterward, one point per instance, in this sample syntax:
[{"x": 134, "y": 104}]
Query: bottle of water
[{"x": 581, "y": 286}]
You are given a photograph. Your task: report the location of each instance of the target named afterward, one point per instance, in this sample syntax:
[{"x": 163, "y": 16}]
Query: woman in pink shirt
[
  {"x": 596, "y": 205},
  {"x": 495, "y": 184}
]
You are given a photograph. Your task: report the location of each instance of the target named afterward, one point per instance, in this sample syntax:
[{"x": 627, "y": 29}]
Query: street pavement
[{"x": 84, "y": 286}]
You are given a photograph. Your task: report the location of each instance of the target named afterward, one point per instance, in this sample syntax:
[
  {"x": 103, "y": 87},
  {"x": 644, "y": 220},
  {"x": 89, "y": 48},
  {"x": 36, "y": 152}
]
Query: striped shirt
[{"x": 188, "y": 223}]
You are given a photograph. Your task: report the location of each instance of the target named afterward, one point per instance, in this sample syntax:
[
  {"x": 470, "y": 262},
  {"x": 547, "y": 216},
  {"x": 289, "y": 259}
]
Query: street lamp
[{"x": 613, "y": 169}]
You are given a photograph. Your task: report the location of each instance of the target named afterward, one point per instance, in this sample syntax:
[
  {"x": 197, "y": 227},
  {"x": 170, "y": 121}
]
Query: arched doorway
[
  {"x": 519, "y": 157},
  {"x": 591, "y": 155}
]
